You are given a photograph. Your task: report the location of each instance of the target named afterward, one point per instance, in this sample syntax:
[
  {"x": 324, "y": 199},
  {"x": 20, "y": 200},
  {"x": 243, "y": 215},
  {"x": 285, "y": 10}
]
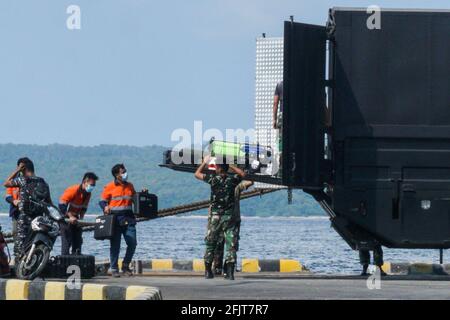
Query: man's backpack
[{"x": 33, "y": 193}]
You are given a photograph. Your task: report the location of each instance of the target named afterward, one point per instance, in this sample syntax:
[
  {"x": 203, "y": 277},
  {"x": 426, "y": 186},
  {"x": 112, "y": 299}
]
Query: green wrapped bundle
[
  {"x": 249, "y": 155},
  {"x": 229, "y": 149}
]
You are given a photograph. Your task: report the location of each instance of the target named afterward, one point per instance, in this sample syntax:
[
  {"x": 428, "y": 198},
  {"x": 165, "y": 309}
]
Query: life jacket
[
  {"x": 119, "y": 196},
  {"x": 76, "y": 200},
  {"x": 13, "y": 192}
]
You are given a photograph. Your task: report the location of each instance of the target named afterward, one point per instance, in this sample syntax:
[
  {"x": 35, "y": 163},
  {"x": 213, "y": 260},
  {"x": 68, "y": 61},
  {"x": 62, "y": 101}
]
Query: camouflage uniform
[
  {"x": 23, "y": 230},
  {"x": 26, "y": 215},
  {"x": 222, "y": 220},
  {"x": 218, "y": 253}
]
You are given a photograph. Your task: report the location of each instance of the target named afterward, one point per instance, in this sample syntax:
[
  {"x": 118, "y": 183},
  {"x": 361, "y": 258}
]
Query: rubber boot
[
  {"x": 218, "y": 269},
  {"x": 364, "y": 271},
  {"x": 225, "y": 271},
  {"x": 208, "y": 271},
  {"x": 230, "y": 271}
]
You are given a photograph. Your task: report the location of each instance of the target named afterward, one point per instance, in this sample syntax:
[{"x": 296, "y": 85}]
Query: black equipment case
[
  {"x": 104, "y": 227},
  {"x": 59, "y": 266},
  {"x": 145, "y": 205}
]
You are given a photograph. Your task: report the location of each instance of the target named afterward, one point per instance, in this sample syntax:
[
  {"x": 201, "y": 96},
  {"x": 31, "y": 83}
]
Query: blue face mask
[
  {"x": 90, "y": 188},
  {"x": 124, "y": 176}
]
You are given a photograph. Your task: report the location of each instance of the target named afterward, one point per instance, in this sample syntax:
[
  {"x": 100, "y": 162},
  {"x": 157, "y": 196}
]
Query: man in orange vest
[
  {"x": 117, "y": 199},
  {"x": 74, "y": 203},
  {"x": 12, "y": 197}
]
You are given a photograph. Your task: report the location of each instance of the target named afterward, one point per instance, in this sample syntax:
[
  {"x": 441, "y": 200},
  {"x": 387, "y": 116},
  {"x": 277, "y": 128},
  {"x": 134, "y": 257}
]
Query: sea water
[{"x": 310, "y": 240}]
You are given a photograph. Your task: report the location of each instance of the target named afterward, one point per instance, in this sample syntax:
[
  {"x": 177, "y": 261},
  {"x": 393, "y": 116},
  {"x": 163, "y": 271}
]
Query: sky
[{"x": 137, "y": 70}]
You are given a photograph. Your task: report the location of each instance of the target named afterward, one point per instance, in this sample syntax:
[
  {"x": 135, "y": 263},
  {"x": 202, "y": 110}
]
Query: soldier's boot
[
  {"x": 208, "y": 271},
  {"x": 225, "y": 271},
  {"x": 230, "y": 271},
  {"x": 218, "y": 269},
  {"x": 364, "y": 271}
]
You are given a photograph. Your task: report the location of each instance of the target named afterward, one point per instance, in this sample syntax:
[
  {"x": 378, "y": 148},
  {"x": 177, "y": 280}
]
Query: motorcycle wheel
[{"x": 37, "y": 263}]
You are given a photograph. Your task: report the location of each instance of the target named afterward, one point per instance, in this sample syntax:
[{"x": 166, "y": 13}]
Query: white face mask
[
  {"x": 89, "y": 188},
  {"x": 124, "y": 176}
]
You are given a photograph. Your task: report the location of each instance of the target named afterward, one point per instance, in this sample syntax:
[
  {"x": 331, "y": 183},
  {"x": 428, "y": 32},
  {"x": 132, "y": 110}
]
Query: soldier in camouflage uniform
[
  {"x": 222, "y": 220},
  {"x": 218, "y": 252},
  {"x": 25, "y": 179}
]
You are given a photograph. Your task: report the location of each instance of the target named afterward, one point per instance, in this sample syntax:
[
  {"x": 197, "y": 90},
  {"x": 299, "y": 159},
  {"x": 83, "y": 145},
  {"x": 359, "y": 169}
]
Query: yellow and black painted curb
[
  {"x": 52, "y": 290},
  {"x": 407, "y": 268},
  {"x": 143, "y": 267},
  {"x": 274, "y": 265},
  {"x": 197, "y": 265}
]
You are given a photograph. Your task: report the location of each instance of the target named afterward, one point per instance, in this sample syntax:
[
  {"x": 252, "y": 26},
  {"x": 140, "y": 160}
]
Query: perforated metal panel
[{"x": 269, "y": 71}]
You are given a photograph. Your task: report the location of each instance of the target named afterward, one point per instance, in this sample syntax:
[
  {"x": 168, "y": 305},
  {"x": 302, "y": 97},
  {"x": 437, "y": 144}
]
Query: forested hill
[{"x": 63, "y": 166}]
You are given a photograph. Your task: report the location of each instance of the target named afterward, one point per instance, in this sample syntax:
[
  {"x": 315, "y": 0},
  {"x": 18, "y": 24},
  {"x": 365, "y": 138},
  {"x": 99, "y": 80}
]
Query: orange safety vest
[
  {"x": 13, "y": 192},
  {"x": 76, "y": 199},
  {"x": 119, "y": 196}
]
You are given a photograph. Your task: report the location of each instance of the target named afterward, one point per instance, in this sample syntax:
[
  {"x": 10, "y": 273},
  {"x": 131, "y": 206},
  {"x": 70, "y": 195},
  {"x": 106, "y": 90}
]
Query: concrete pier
[{"x": 279, "y": 286}]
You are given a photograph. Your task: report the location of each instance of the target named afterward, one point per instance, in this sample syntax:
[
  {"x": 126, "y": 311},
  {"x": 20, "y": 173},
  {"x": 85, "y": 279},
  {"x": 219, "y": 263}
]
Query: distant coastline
[{"x": 64, "y": 165}]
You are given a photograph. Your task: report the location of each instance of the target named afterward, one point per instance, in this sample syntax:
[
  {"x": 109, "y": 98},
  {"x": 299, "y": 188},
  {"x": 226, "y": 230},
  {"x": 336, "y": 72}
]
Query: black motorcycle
[{"x": 39, "y": 243}]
